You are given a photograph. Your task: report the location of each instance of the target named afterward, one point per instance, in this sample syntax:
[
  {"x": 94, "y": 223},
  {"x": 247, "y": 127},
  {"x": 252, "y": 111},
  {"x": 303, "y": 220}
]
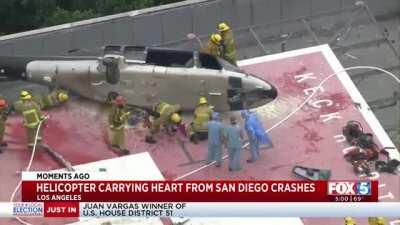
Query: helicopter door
[
  {"x": 235, "y": 99},
  {"x": 153, "y": 84}
]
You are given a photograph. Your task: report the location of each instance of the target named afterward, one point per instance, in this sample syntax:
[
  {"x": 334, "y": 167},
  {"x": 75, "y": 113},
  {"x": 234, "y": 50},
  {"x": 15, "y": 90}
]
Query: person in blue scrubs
[
  {"x": 215, "y": 128},
  {"x": 233, "y": 136}
]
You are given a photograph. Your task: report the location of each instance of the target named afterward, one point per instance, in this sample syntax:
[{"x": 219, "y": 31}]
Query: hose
[
  {"x": 299, "y": 108},
  {"x": 27, "y": 169}
]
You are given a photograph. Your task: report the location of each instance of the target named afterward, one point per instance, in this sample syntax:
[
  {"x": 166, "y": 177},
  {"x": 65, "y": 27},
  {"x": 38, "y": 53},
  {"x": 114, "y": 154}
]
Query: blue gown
[{"x": 256, "y": 133}]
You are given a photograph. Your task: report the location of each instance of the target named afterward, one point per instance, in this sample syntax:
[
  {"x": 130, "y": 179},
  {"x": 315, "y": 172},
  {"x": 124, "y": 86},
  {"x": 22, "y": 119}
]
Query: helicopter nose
[
  {"x": 259, "y": 96},
  {"x": 271, "y": 93},
  {"x": 265, "y": 94}
]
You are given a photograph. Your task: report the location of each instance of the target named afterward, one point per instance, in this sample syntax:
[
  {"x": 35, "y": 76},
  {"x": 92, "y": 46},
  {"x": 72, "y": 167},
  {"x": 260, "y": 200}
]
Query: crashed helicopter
[{"x": 145, "y": 76}]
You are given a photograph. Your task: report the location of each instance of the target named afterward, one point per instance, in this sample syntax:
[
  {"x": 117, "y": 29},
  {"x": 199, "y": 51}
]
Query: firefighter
[
  {"x": 117, "y": 119},
  {"x": 228, "y": 43},
  {"x": 32, "y": 115},
  {"x": 3, "y": 119},
  {"x": 202, "y": 114},
  {"x": 167, "y": 116},
  {"x": 214, "y": 46},
  {"x": 215, "y": 136},
  {"x": 376, "y": 221},
  {"x": 349, "y": 221},
  {"x": 233, "y": 136},
  {"x": 54, "y": 98}
]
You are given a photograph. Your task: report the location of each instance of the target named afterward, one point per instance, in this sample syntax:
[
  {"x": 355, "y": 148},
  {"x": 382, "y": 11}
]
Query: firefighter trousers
[
  {"x": 31, "y": 134},
  {"x": 118, "y": 138}
]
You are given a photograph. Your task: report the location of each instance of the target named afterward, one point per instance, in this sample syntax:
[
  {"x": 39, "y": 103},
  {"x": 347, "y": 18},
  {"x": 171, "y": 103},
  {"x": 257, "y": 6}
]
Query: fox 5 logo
[{"x": 349, "y": 188}]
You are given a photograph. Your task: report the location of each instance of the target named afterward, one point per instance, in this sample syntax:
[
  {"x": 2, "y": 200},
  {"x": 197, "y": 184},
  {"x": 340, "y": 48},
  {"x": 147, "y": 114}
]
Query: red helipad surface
[{"x": 78, "y": 131}]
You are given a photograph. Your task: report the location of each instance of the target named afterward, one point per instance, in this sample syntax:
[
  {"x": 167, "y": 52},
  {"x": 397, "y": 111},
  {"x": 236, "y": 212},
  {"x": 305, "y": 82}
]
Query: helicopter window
[
  {"x": 170, "y": 58},
  {"x": 135, "y": 53},
  {"x": 209, "y": 62},
  {"x": 112, "y": 49}
]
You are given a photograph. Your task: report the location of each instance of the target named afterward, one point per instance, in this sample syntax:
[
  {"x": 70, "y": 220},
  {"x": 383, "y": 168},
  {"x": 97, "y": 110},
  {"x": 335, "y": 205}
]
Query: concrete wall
[{"x": 168, "y": 23}]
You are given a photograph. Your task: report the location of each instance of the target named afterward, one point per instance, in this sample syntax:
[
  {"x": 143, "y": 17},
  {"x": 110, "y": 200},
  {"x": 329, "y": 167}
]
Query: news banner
[{"x": 75, "y": 194}]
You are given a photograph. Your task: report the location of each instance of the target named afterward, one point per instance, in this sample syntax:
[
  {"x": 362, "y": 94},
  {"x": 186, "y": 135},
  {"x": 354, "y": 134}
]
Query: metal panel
[
  {"x": 379, "y": 7},
  {"x": 325, "y": 24},
  {"x": 398, "y": 42},
  {"x": 177, "y": 24},
  {"x": 148, "y": 30},
  {"x": 6, "y": 48},
  {"x": 242, "y": 12},
  {"x": 348, "y": 3},
  {"x": 88, "y": 37},
  {"x": 265, "y": 11},
  {"x": 31, "y": 45},
  {"x": 226, "y": 8},
  {"x": 205, "y": 18},
  {"x": 173, "y": 24},
  {"x": 57, "y": 43},
  {"x": 318, "y": 6},
  {"x": 119, "y": 32},
  {"x": 294, "y": 29},
  {"x": 296, "y": 8}
]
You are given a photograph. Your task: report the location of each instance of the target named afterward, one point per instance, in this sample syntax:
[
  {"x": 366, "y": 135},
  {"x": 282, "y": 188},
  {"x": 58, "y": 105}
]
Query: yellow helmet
[
  {"x": 176, "y": 118},
  {"x": 380, "y": 221},
  {"x": 216, "y": 38},
  {"x": 25, "y": 95},
  {"x": 349, "y": 221},
  {"x": 62, "y": 97},
  {"x": 223, "y": 27},
  {"x": 202, "y": 100}
]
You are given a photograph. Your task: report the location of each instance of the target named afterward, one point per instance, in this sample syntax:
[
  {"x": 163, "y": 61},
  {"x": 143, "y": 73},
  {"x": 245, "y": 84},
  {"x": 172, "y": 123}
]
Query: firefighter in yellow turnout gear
[
  {"x": 214, "y": 46},
  {"x": 376, "y": 221},
  {"x": 168, "y": 116},
  {"x": 349, "y": 221},
  {"x": 228, "y": 43},
  {"x": 32, "y": 115},
  {"x": 202, "y": 115},
  {"x": 117, "y": 119},
  {"x": 3, "y": 119},
  {"x": 54, "y": 98}
]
